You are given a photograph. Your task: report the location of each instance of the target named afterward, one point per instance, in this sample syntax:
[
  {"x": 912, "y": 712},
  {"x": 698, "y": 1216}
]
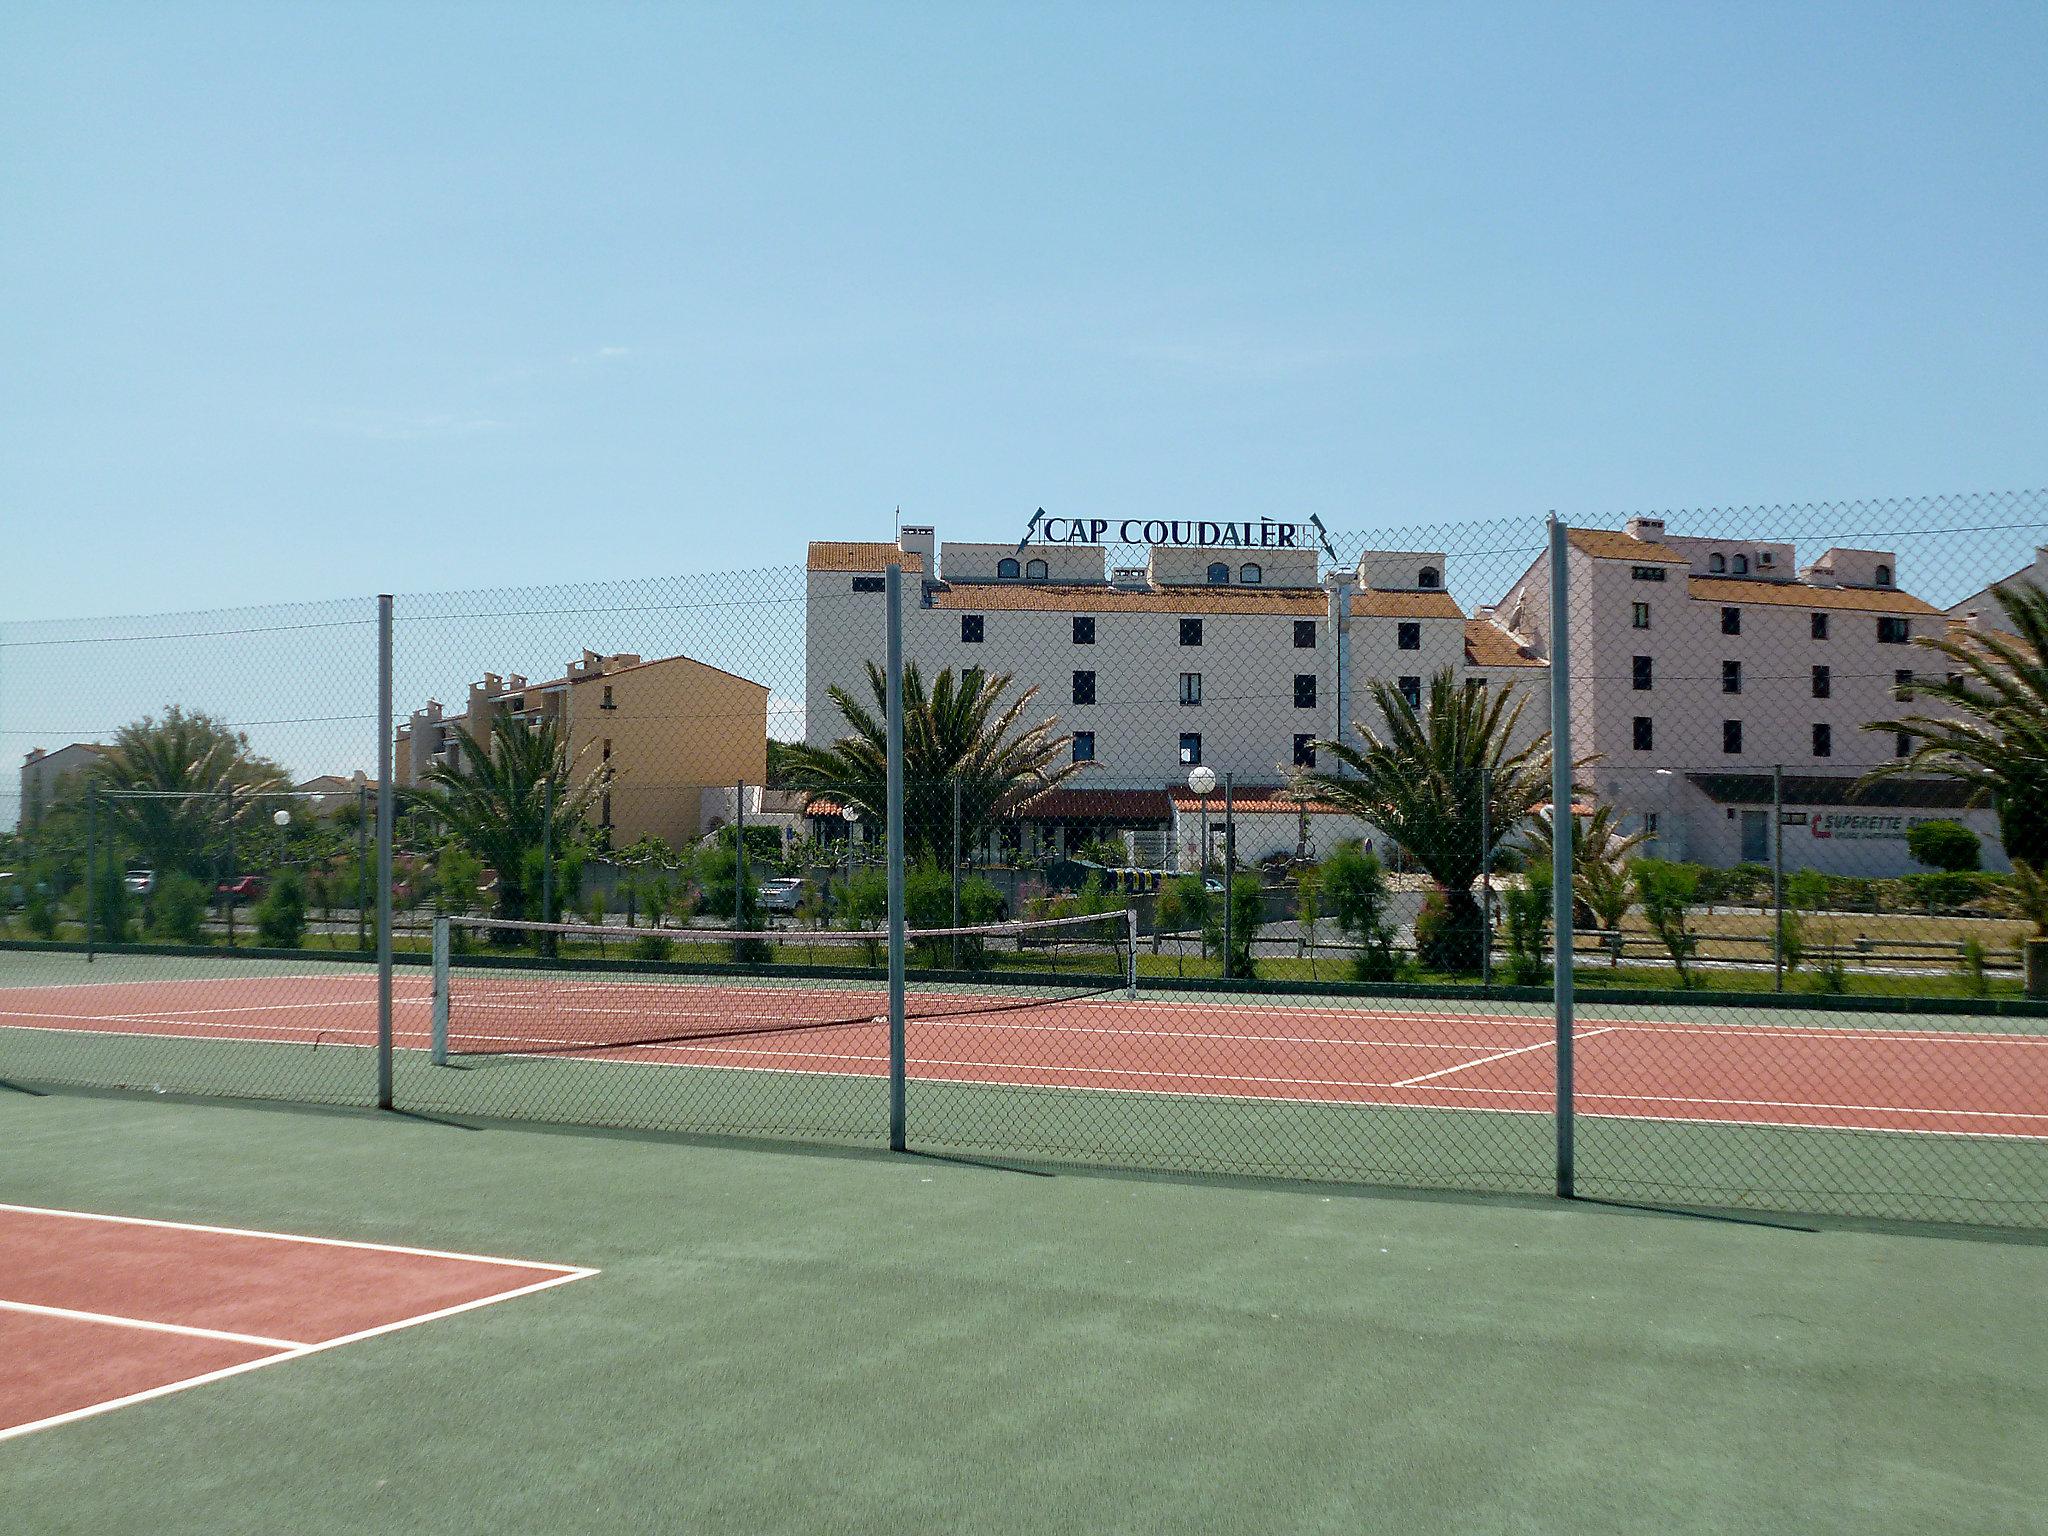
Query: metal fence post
[
  {"x": 1229, "y": 869},
  {"x": 1486, "y": 877},
  {"x": 362, "y": 866},
  {"x": 893, "y": 582},
  {"x": 956, "y": 871},
  {"x": 1778, "y": 875},
  {"x": 439, "y": 1037},
  {"x": 1561, "y": 852},
  {"x": 91, "y": 896},
  {"x": 739, "y": 854},
  {"x": 384, "y": 819}
]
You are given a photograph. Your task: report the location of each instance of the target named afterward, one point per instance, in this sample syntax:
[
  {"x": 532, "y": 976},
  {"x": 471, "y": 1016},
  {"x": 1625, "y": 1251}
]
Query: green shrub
[
  {"x": 1948, "y": 846},
  {"x": 281, "y": 915},
  {"x": 928, "y": 903},
  {"x": 177, "y": 910},
  {"x": 1667, "y": 892},
  {"x": 653, "y": 946},
  {"x": 1971, "y": 963},
  {"x": 1527, "y": 909},
  {"x": 1948, "y": 892},
  {"x": 1247, "y": 912},
  {"x": 40, "y": 913}
]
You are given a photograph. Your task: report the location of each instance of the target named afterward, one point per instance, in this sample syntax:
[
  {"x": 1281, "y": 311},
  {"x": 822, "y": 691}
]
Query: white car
[
  {"x": 140, "y": 881},
  {"x": 781, "y": 895}
]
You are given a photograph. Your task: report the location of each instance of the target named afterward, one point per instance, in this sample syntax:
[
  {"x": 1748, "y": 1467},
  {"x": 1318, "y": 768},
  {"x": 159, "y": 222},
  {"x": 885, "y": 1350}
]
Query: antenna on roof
[
  {"x": 899, "y": 522},
  {"x": 1030, "y": 529},
  {"x": 1323, "y": 537}
]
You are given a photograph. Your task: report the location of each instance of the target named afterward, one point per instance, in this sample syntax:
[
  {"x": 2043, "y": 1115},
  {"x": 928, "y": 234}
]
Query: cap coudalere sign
[{"x": 1173, "y": 533}]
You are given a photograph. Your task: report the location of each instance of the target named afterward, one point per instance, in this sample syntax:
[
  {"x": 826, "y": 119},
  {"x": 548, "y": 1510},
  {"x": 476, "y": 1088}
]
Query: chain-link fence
[{"x": 1234, "y": 857}]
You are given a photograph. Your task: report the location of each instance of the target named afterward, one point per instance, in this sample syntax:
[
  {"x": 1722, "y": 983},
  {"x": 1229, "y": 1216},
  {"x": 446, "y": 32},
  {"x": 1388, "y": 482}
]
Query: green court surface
[{"x": 819, "y": 1341}]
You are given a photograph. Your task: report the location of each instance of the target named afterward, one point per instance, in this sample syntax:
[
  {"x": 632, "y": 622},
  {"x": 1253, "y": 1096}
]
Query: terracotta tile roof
[
  {"x": 1370, "y": 603},
  {"x": 1253, "y": 800},
  {"x": 1605, "y": 544},
  {"x": 1294, "y": 602},
  {"x": 860, "y": 556},
  {"x": 1488, "y": 645},
  {"x": 1798, "y": 594}
]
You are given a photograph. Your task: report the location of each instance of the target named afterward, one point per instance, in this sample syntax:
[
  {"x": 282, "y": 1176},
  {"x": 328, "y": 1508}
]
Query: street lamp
[
  {"x": 280, "y": 818},
  {"x": 1202, "y": 780}
]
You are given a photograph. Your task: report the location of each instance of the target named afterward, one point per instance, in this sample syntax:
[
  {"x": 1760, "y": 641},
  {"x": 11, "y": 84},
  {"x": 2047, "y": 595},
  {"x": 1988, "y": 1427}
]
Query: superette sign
[{"x": 1862, "y": 826}]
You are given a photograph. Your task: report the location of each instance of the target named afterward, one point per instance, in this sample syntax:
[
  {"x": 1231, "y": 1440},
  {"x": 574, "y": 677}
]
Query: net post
[
  {"x": 441, "y": 948},
  {"x": 1778, "y": 877},
  {"x": 1562, "y": 980},
  {"x": 384, "y": 813},
  {"x": 1229, "y": 869},
  {"x": 893, "y": 585},
  {"x": 1486, "y": 877},
  {"x": 739, "y": 854}
]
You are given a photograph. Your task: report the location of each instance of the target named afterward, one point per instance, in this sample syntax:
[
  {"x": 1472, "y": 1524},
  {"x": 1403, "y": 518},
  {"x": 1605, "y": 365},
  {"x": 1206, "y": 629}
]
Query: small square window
[
  {"x": 1819, "y": 624},
  {"x": 1084, "y": 746},
  {"x": 1304, "y": 690},
  {"x": 1409, "y": 636},
  {"x": 1191, "y": 687},
  {"x": 1304, "y": 634},
  {"x": 1650, "y": 823},
  {"x": 1190, "y": 747},
  {"x": 1893, "y": 630},
  {"x": 1644, "y": 734},
  {"x": 1902, "y": 744},
  {"x": 1823, "y": 741},
  {"x": 1731, "y": 737},
  {"x": 1731, "y": 677},
  {"x": 1304, "y": 751},
  {"x": 1411, "y": 691},
  {"x": 1643, "y": 674},
  {"x": 1823, "y": 683},
  {"x": 607, "y": 704},
  {"x": 1731, "y": 621},
  {"x": 1902, "y": 685},
  {"x": 1190, "y": 631},
  {"x": 1639, "y": 615},
  {"x": 1084, "y": 631},
  {"x": 870, "y": 584},
  {"x": 1084, "y": 687},
  {"x": 970, "y": 628}
]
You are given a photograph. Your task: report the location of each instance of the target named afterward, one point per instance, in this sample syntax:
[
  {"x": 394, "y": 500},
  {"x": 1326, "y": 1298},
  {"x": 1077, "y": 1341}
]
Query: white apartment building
[
  {"x": 1236, "y": 658},
  {"x": 1698, "y": 665},
  {"x": 1981, "y": 607}
]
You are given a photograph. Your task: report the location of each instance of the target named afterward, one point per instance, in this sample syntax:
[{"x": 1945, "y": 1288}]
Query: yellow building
[{"x": 668, "y": 729}]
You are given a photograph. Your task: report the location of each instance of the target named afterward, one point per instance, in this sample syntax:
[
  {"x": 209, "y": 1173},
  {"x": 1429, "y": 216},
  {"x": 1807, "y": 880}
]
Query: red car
[{"x": 241, "y": 889}]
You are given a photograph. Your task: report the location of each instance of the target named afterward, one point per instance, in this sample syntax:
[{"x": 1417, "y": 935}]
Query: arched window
[
  {"x": 1884, "y": 575},
  {"x": 1251, "y": 575},
  {"x": 1742, "y": 565},
  {"x": 1429, "y": 578},
  {"x": 1006, "y": 570},
  {"x": 1219, "y": 575},
  {"x": 1717, "y": 563},
  {"x": 1034, "y": 570}
]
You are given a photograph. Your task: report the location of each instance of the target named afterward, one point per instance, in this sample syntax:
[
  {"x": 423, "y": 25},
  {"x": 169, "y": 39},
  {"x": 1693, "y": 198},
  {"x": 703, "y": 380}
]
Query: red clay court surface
[
  {"x": 1874, "y": 1077},
  {"x": 99, "y": 1312}
]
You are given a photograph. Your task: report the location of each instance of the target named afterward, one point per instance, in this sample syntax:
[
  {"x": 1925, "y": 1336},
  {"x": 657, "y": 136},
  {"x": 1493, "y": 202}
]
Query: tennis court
[{"x": 1927, "y": 1118}]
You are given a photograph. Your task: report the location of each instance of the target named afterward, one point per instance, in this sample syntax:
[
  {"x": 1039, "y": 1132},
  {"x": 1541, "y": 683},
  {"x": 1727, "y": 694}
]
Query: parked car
[
  {"x": 781, "y": 895},
  {"x": 140, "y": 881},
  {"x": 240, "y": 889}
]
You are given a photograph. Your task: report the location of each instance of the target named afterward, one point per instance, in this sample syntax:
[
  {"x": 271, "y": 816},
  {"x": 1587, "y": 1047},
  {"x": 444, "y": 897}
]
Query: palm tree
[
  {"x": 494, "y": 801},
  {"x": 961, "y": 731},
  {"x": 1602, "y": 886},
  {"x": 1423, "y": 782},
  {"x": 1993, "y": 735},
  {"x": 180, "y": 785}
]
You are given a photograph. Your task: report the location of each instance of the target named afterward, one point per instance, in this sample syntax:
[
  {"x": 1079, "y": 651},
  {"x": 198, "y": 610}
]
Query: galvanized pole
[
  {"x": 1778, "y": 875},
  {"x": 362, "y": 866},
  {"x": 91, "y": 896},
  {"x": 739, "y": 854},
  {"x": 1561, "y": 851},
  {"x": 1486, "y": 877},
  {"x": 547, "y": 860},
  {"x": 384, "y": 818},
  {"x": 956, "y": 870},
  {"x": 1229, "y": 869},
  {"x": 898, "y": 1137}
]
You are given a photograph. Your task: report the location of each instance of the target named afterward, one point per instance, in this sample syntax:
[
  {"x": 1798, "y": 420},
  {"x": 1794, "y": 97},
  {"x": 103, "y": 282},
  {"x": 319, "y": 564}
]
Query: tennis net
[{"x": 514, "y": 988}]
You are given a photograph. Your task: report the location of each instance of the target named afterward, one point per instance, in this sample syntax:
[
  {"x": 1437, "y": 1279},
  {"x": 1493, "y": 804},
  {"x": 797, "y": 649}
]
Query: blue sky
[{"x": 312, "y": 300}]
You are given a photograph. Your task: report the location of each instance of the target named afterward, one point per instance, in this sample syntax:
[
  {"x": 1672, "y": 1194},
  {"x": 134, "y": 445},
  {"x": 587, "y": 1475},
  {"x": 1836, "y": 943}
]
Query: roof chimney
[{"x": 1649, "y": 529}]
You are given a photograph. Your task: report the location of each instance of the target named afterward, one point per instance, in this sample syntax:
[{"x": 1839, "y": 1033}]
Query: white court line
[
  {"x": 1581, "y": 1095},
  {"x": 576, "y": 1271},
  {"x": 301, "y": 1351},
  {"x": 71, "y": 1314},
  {"x": 1466, "y": 1066}
]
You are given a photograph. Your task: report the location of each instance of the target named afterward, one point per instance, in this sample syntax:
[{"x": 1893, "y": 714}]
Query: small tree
[
  {"x": 177, "y": 910},
  {"x": 1247, "y": 912},
  {"x": 1308, "y": 915},
  {"x": 1528, "y": 924},
  {"x": 1667, "y": 892},
  {"x": 865, "y": 906},
  {"x": 1354, "y": 889},
  {"x": 1195, "y": 902},
  {"x": 458, "y": 886},
  {"x": 40, "y": 912},
  {"x": 281, "y": 915},
  {"x": 1948, "y": 846},
  {"x": 1167, "y": 917}
]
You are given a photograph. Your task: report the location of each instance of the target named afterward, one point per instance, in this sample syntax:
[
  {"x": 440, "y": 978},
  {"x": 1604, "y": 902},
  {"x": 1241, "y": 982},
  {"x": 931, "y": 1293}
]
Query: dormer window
[
  {"x": 1006, "y": 570},
  {"x": 1251, "y": 575},
  {"x": 1741, "y": 566},
  {"x": 1219, "y": 574},
  {"x": 1718, "y": 564},
  {"x": 1884, "y": 575},
  {"x": 1034, "y": 570},
  {"x": 1429, "y": 578}
]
